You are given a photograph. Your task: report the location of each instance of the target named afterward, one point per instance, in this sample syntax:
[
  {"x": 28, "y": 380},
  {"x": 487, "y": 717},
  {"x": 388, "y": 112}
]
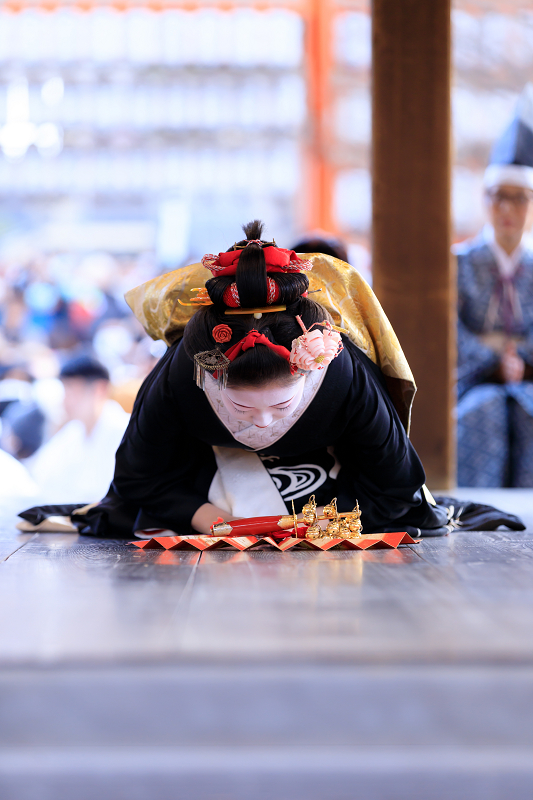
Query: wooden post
[{"x": 414, "y": 276}]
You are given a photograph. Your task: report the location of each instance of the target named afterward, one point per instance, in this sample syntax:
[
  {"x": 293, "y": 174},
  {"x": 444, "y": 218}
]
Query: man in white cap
[{"x": 495, "y": 333}]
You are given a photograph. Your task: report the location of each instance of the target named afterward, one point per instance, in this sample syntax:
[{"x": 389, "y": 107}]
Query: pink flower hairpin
[{"x": 315, "y": 349}]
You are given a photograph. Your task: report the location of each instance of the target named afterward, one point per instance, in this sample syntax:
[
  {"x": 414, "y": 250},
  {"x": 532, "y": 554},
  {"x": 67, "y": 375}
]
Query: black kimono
[{"x": 165, "y": 463}]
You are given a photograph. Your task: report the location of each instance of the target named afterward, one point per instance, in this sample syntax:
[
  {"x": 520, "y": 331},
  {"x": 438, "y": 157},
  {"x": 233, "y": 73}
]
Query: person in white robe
[{"x": 78, "y": 461}]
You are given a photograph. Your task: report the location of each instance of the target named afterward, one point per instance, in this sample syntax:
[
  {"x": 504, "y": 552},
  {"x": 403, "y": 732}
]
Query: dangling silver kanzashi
[{"x": 213, "y": 361}]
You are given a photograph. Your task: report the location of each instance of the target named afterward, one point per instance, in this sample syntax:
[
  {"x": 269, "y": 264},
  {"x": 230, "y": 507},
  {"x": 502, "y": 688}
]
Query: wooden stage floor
[{"x": 381, "y": 675}]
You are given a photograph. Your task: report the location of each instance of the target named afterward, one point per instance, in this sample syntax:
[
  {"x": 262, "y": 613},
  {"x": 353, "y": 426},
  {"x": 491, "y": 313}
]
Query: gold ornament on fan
[{"x": 344, "y": 525}]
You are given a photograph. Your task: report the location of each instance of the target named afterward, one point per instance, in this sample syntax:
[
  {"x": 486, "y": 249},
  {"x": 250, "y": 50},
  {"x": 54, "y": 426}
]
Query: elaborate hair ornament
[
  {"x": 231, "y": 294},
  {"x": 201, "y": 299},
  {"x": 257, "y": 312},
  {"x": 277, "y": 259},
  {"x": 222, "y": 333},
  {"x": 316, "y": 349},
  {"x": 231, "y": 299},
  {"x": 214, "y": 362},
  {"x": 252, "y": 338},
  {"x": 254, "y": 241}
]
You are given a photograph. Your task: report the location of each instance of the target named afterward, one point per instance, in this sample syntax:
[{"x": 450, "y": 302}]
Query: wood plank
[
  {"x": 246, "y": 773},
  {"x": 304, "y": 704},
  {"x": 459, "y": 545},
  {"x": 463, "y": 598},
  {"x": 363, "y": 606},
  {"x": 80, "y": 597},
  {"x": 10, "y": 538},
  {"x": 11, "y": 542}
]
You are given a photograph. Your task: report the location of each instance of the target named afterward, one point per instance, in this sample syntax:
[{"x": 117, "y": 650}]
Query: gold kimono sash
[{"x": 345, "y": 294}]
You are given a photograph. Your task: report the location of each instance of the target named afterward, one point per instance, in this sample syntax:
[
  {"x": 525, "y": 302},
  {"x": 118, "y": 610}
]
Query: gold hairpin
[
  {"x": 330, "y": 326},
  {"x": 201, "y": 299},
  {"x": 254, "y": 311}
]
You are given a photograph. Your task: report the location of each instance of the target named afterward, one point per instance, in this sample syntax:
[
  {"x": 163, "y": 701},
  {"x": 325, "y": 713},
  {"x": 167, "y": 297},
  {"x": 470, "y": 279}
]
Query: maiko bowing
[{"x": 264, "y": 398}]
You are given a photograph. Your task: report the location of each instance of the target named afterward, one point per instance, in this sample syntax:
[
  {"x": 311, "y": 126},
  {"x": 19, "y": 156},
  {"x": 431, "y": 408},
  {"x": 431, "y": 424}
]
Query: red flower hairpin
[{"x": 222, "y": 333}]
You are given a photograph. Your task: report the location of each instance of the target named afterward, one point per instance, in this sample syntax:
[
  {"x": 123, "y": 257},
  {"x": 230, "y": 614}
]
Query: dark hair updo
[{"x": 259, "y": 364}]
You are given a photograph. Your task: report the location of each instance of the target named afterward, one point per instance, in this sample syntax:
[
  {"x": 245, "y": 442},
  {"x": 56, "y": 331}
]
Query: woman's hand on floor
[{"x": 206, "y": 515}]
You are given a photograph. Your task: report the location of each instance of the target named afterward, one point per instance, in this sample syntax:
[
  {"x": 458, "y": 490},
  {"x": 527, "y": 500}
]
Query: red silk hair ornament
[
  {"x": 231, "y": 294},
  {"x": 252, "y": 338},
  {"x": 277, "y": 259}
]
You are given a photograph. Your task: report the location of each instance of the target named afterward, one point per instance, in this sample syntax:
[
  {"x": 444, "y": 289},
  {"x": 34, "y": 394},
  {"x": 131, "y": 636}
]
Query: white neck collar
[{"x": 246, "y": 432}]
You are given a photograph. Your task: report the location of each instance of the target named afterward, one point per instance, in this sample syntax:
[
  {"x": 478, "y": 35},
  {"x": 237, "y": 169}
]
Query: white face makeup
[{"x": 263, "y": 405}]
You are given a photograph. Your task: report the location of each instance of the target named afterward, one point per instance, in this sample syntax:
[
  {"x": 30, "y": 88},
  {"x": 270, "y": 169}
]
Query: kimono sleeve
[
  {"x": 475, "y": 361},
  {"x": 161, "y": 467},
  {"x": 379, "y": 465}
]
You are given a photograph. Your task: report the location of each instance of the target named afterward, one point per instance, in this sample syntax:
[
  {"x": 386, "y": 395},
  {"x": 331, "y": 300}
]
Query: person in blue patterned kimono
[{"x": 495, "y": 321}]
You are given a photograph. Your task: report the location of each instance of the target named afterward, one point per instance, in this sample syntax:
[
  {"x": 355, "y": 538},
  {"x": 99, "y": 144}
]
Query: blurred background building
[
  {"x": 153, "y": 129},
  {"x": 137, "y": 136}
]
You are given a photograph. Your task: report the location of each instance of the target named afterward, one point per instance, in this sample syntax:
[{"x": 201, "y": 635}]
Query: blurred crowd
[{"x": 72, "y": 357}]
